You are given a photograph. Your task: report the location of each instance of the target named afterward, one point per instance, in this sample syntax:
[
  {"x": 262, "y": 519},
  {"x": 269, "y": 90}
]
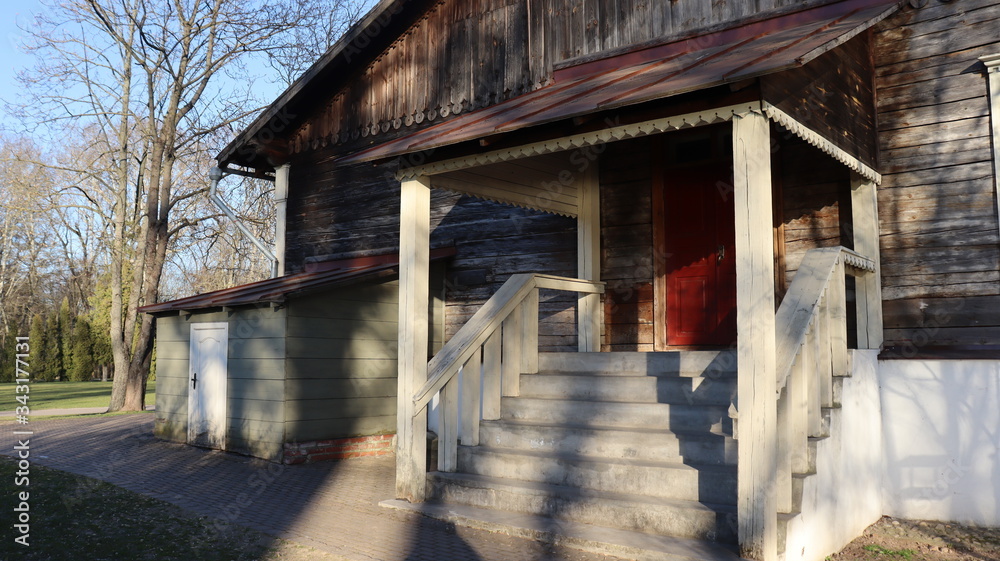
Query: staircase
[
  {"x": 627, "y": 448},
  {"x": 631, "y": 454}
]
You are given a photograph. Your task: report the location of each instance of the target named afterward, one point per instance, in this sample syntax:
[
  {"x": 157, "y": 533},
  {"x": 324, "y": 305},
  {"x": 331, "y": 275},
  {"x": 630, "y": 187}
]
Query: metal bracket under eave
[{"x": 819, "y": 141}]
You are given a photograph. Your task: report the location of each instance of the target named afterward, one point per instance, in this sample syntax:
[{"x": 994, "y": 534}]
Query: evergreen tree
[
  {"x": 83, "y": 352},
  {"x": 65, "y": 339},
  {"x": 52, "y": 350},
  {"x": 37, "y": 362},
  {"x": 8, "y": 354}
]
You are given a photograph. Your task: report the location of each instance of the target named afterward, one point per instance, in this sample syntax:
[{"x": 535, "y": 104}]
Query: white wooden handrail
[
  {"x": 491, "y": 351},
  {"x": 474, "y": 334},
  {"x": 811, "y": 349},
  {"x": 801, "y": 304}
]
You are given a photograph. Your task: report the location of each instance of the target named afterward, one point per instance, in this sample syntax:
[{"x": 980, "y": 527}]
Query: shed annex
[{"x": 291, "y": 369}]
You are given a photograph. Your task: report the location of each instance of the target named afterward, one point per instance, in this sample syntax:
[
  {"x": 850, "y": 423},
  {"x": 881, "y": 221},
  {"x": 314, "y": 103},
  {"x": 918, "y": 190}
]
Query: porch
[
  {"x": 718, "y": 266},
  {"x": 802, "y": 349}
]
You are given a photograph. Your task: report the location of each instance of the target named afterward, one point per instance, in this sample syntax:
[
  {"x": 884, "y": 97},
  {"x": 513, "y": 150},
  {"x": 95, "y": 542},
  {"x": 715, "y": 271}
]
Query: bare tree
[
  {"x": 29, "y": 279},
  {"x": 147, "y": 80}
]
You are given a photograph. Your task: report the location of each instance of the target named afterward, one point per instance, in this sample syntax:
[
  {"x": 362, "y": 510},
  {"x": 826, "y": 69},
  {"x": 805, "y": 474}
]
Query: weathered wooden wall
[
  {"x": 813, "y": 187},
  {"x": 466, "y": 54},
  {"x": 627, "y": 246},
  {"x": 834, "y": 96},
  {"x": 334, "y": 213},
  {"x": 939, "y": 236}
]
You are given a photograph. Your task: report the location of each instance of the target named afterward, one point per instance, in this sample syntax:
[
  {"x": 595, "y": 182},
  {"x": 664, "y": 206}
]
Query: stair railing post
[
  {"x": 448, "y": 439},
  {"x": 511, "y": 362},
  {"x": 529, "y": 330},
  {"x": 471, "y": 387},
  {"x": 797, "y": 392},
  {"x": 492, "y": 389},
  {"x": 838, "y": 317}
]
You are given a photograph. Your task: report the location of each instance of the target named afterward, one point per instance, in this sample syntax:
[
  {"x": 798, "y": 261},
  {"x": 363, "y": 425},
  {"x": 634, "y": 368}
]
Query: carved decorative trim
[
  {"x": 611, "y": 134},
  {"x": 819, "y": 141}
]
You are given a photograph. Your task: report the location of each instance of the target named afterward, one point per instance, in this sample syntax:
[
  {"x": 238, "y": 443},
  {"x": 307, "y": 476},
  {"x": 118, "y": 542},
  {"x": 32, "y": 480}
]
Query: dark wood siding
[
  {"x": 495, "y": 241},
  {"x": 462, "y": 55},
  {"x": 337, "y": 213},
  {"x": 627, "y": 246},
  {"x": 833, "y": 95},
  {"x": 937, "y": 204},
  {"x": 814, "y": 187}
]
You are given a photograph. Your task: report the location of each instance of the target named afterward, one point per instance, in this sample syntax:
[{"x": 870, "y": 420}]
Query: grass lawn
[
  {"x": 65, "y": 395},
  {"x": 74, "y": 517}
]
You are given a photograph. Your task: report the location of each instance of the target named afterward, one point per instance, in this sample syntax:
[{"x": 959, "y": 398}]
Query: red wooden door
[{"x": 700, "y": 256}]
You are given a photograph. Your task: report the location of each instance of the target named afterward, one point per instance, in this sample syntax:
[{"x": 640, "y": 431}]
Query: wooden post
[
  {"x": 992, "y": 63},
  {"x": 757, "y": 497},
  {"x": 588, "y": 248},
  {"x": 448, "y": 439},
  {"x": 510, "y": 365},
  {"x": 471, "y": 392},
  {"x": 837, "y": 304},
  {"x": 797, "y": 392},
  {"x": 529, "y": 333},
  {"x": 864, "y": 203},
  {"x": 414, "y": 279},
  {"x": 491, "y": 376}
]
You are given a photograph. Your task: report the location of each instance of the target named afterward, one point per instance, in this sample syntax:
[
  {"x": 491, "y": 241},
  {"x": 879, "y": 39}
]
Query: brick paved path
[{"x": 331, "y": 506}]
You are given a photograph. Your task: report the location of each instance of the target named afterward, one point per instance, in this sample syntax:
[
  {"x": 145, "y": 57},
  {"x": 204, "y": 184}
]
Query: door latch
[
  {"x": 194, "y": 381},
  {"x": 720, "y": 254}
]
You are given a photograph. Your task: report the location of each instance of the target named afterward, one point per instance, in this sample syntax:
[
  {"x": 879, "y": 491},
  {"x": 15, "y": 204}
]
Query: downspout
[
  {"x": 280, "y": 206},
  {"x": 215, "y": 175}
]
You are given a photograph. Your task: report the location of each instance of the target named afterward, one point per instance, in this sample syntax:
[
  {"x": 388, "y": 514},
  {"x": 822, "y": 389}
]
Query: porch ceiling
[{"x": 722, "y": 57}]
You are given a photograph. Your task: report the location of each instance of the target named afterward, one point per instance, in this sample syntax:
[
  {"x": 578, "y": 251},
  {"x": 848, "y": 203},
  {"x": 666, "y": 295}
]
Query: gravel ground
[{"x": 918, "y": 540}]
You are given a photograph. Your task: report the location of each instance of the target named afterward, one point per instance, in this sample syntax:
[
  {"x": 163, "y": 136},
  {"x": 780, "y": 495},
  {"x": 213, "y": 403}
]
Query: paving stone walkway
[{"x": 332, "y": 506}]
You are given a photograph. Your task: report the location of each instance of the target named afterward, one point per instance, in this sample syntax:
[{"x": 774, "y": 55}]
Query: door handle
[
  {"x": 720, "y": 254},
  {"x": 194, "y": 381}
]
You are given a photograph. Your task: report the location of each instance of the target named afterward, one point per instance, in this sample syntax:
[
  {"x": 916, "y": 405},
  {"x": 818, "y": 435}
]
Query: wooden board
[{"x": 937, "y": 205}]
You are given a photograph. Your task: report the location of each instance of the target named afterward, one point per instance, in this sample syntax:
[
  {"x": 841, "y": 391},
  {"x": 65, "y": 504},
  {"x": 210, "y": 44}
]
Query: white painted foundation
[
  {"x": 844, "y": 496},
  {"x": 942, "y": 439}
]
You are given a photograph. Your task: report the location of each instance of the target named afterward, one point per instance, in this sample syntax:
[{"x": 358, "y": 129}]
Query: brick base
[{"x": 339, "y": 449}]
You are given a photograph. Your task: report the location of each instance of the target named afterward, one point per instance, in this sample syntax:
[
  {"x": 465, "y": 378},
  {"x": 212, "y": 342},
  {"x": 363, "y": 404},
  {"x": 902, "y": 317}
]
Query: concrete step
[
  {"x": 586, "y": 537},
  {"x": 633, "y": 389},
  {"x": 700, "y": 447},
  {"x": 622, "y": 415},
  {"x": 709, "y": 364},
  {"x": 671, "y": 517},
  {"x": 710, "y": 484}
]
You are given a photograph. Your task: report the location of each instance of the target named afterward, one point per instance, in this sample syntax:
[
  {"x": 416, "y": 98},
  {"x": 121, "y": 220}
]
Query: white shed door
[{"x": 207, "y": 384}]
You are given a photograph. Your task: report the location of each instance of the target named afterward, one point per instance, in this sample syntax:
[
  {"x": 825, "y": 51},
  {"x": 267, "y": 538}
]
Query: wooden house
[{"x": 726, "y": 275}]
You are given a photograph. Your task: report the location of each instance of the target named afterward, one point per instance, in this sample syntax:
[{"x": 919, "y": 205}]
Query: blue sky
[{"x": 12, "y": 59}]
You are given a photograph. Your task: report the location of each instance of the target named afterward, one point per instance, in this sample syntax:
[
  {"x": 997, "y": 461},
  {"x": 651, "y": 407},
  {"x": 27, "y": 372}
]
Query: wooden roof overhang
[
  {"x": 260, "y": 146},
  {"x": 604, "y": 100},
  {"x": 275, "y": 291}
]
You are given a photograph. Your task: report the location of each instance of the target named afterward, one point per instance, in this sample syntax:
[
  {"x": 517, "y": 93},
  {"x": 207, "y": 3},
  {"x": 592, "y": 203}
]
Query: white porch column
[
  {"x": 280, "y": 213},
  {"x": 864, "y": 207},
  {"x": 757, "y": 405},
  {"x": 588, "y": 248},
  {"x": 414, "y": 273}
]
